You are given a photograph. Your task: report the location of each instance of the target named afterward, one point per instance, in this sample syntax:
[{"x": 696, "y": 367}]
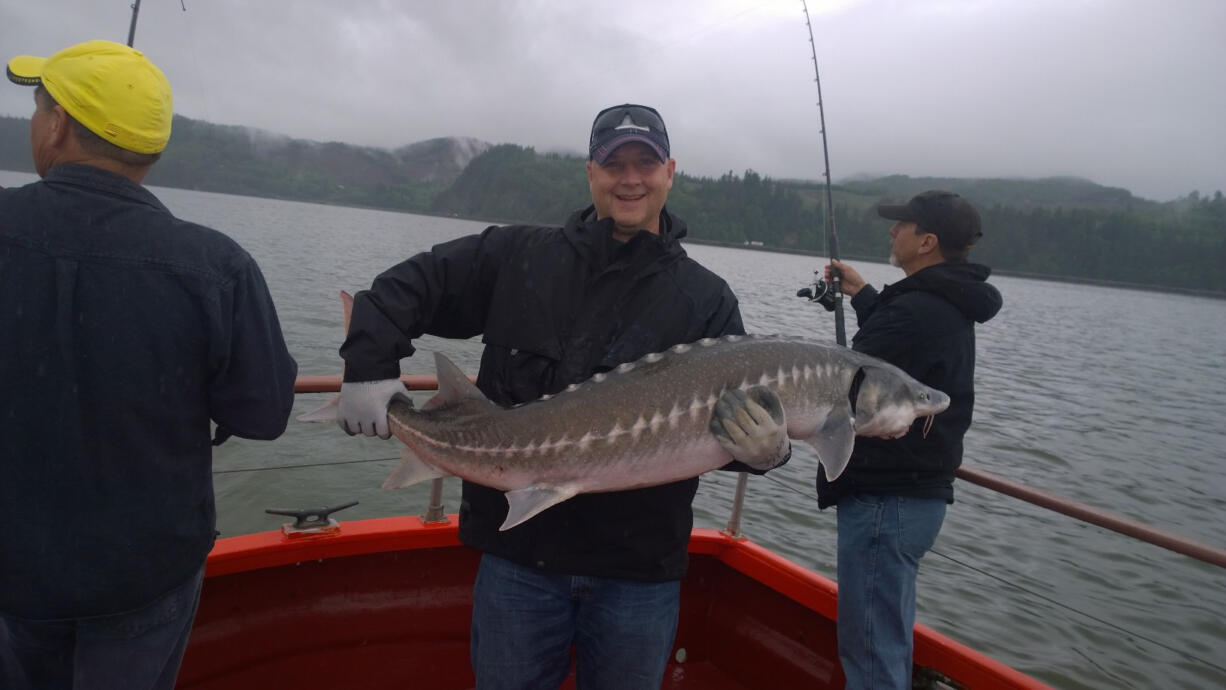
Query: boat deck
[{"x": 387, "y": 604}]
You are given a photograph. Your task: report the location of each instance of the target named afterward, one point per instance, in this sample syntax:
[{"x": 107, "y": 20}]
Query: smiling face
[{"x": 631, "y": 187}]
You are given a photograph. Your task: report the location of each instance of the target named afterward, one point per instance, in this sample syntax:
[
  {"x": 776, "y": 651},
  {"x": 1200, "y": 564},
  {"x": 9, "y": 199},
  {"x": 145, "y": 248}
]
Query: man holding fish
[{"x": 555, "y": 306}]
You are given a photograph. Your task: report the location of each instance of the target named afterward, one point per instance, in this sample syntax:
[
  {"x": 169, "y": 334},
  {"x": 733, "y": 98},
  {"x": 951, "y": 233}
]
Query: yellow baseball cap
[{"x": 114, "y": 90}]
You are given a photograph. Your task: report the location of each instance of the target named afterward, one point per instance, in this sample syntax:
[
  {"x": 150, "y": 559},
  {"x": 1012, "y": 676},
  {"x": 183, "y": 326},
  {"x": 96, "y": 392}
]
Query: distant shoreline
[
  {"x": 733, "y": 245},
  {"x": 1013, "y": 274}
]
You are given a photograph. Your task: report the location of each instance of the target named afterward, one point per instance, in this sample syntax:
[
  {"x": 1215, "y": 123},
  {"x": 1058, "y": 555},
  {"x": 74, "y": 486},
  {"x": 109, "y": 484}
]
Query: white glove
[
  {"x": 363, "y": 406},
  {"x": 751, "y": 427}
]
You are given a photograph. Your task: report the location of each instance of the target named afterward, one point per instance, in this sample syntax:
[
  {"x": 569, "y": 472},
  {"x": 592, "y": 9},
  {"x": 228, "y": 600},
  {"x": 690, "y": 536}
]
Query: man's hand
[
  {"x": 751, "y": 427},
  {"x": 849, "y": 280},
  {"x": 363, "y": 406}
]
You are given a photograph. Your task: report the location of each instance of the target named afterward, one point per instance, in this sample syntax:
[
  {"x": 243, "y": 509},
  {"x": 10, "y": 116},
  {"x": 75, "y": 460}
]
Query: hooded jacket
[
  {"x": 554, "y": 306},
  {"x": 923, "y": 324}
]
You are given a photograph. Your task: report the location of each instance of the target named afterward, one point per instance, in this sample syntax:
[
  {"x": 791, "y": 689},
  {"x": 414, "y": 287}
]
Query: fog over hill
[
  {"x": 249, "y": 160},
  {"x": 1062, "y": 227}
]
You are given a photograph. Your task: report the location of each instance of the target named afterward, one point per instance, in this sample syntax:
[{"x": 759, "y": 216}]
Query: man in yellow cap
[{"x": 125, "y": 333}]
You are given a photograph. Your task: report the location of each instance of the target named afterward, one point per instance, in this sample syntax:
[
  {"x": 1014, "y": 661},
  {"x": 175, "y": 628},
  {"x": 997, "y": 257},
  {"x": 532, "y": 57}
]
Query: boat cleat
[{"x": 310, "y": 521}]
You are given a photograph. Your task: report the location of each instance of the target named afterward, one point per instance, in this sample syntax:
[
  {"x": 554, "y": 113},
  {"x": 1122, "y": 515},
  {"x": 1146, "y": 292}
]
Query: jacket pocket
[{"x": 516, "y": 371}]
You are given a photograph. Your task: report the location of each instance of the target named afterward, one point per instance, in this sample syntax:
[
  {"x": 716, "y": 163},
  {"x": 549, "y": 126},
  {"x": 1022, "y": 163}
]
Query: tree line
[
  {"x": 1058, "y": 227},
  {"x": 1044, "y": 228}
]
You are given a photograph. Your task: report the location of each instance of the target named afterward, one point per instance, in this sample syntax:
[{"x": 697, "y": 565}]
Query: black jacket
[
  {"x": 554, "y": 306},
  {"x": 923, "y": 324},
  {"x": 123, "y": 332}
]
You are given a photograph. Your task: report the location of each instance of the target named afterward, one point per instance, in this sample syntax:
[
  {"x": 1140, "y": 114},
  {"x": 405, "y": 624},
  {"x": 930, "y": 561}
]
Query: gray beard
[{"x": 894, "y": 260}]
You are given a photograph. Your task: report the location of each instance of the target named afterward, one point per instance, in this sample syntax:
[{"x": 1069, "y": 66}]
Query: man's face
[
  {"x": 631, "y": 187},
  {"x": 41, "y": 124},
  {"x": 905, "y": 241}
]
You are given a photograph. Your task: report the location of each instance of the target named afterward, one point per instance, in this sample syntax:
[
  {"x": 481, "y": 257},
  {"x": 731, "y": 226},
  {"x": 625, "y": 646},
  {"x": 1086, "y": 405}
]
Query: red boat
[{"x": 386, "y": 603}]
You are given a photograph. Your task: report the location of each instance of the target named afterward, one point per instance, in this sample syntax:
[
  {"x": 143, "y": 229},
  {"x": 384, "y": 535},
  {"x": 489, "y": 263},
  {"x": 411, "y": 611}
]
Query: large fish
[{"x": 647, "y": 422}]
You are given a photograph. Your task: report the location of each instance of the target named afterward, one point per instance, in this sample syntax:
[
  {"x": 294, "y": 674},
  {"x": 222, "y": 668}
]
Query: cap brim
[
  {"x": 602, "y": 152},
  {"x": 26, "y": 70},
  {"x": 895, "y": 212}
]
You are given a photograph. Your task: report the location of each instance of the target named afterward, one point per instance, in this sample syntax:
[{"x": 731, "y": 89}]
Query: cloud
[{"x": 1126, "y": 93}]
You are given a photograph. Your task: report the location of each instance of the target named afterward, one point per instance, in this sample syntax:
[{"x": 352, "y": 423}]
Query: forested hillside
[
  {"x": 239, "y": 160},
  {"x": 1059, "y": 227}
]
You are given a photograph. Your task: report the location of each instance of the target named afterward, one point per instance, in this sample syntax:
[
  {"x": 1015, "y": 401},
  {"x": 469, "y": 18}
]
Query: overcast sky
[{"x": 1127, "y": 93}]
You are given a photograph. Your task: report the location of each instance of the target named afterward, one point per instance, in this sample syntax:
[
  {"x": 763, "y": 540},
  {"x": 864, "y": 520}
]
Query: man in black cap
[
  {"x": 555, "y": 306},
  {"x": 892, "y": 497}
]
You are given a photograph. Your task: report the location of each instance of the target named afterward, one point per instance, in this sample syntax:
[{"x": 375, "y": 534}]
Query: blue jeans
[
  {"x": 881, "y": 541},
  {"x": 525, "y": 621},
  {"x": 137, "y": 650}
]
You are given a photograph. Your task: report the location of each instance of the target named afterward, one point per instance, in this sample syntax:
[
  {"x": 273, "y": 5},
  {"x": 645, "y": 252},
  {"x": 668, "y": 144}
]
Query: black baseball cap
[
  {"x": 951, "y": 218},
  {"x": 622, "y": 124}
]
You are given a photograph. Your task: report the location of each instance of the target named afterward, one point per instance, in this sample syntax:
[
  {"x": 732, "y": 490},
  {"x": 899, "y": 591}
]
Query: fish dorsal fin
[
  {"x": 347, "y": 307},
  {"x": 527, "y": 502},
  {"x": 453, "y": 385},
  {"x": 327, "y": 413},
  {"x": 834, "y": 441}
]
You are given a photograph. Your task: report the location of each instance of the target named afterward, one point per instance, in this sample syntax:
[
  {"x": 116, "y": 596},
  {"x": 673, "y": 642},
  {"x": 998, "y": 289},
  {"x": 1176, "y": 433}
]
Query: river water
[{"x": 1107, "y": 396}]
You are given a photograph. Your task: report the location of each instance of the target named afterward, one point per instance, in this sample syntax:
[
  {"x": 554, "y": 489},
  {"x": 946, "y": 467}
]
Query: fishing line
[
  {"x": 832, "y": 237},
  {"x": 135, "y": 14},
  {"x": 200, "y": 79},
  {"x": 778, "y": 481},
  {"x": 840, "y": 337},
  {"x": 789, "y": 487},
  {"x": 721, "y": 22},
  {"x": 1092, "y": 617},
  {"x": 296, "y": 467}
]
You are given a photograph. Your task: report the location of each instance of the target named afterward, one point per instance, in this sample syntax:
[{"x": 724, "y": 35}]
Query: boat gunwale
[{"x": 262, "y": 550}]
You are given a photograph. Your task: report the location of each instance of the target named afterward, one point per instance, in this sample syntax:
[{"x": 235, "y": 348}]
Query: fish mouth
[
  {"x": 928, "y": 421},
  {"x": 938, "y": 402}
]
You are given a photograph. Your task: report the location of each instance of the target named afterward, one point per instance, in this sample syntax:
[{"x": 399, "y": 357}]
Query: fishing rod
[
  {"x": 830, "y": 295},
  {"x": 132, "y": 27},
  {"x": 136, "y": 11}
]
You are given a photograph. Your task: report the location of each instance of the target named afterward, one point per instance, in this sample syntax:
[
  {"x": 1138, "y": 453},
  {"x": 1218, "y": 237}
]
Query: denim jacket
[{"x": 124, "y": 332}]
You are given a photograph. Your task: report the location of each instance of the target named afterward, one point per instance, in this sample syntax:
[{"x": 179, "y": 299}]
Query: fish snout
[{"x": 930, "y": 402}]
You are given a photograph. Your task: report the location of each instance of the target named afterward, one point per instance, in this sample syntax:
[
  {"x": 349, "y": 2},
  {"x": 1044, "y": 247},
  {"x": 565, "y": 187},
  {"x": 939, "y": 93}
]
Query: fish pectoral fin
[
  {"x": 327, "y": 413},
  {"x": 410, "y": 471},
  {"x": 834, "y": 441},
  {"x": 527, "y": 502}
]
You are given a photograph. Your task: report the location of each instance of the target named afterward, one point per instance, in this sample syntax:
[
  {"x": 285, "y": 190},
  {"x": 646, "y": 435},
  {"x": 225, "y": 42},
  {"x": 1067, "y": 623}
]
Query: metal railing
[{"x": 1078, "y": 511}]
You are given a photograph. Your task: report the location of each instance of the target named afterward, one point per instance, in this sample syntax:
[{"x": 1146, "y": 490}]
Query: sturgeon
[{"x": 647, "y": 422}]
